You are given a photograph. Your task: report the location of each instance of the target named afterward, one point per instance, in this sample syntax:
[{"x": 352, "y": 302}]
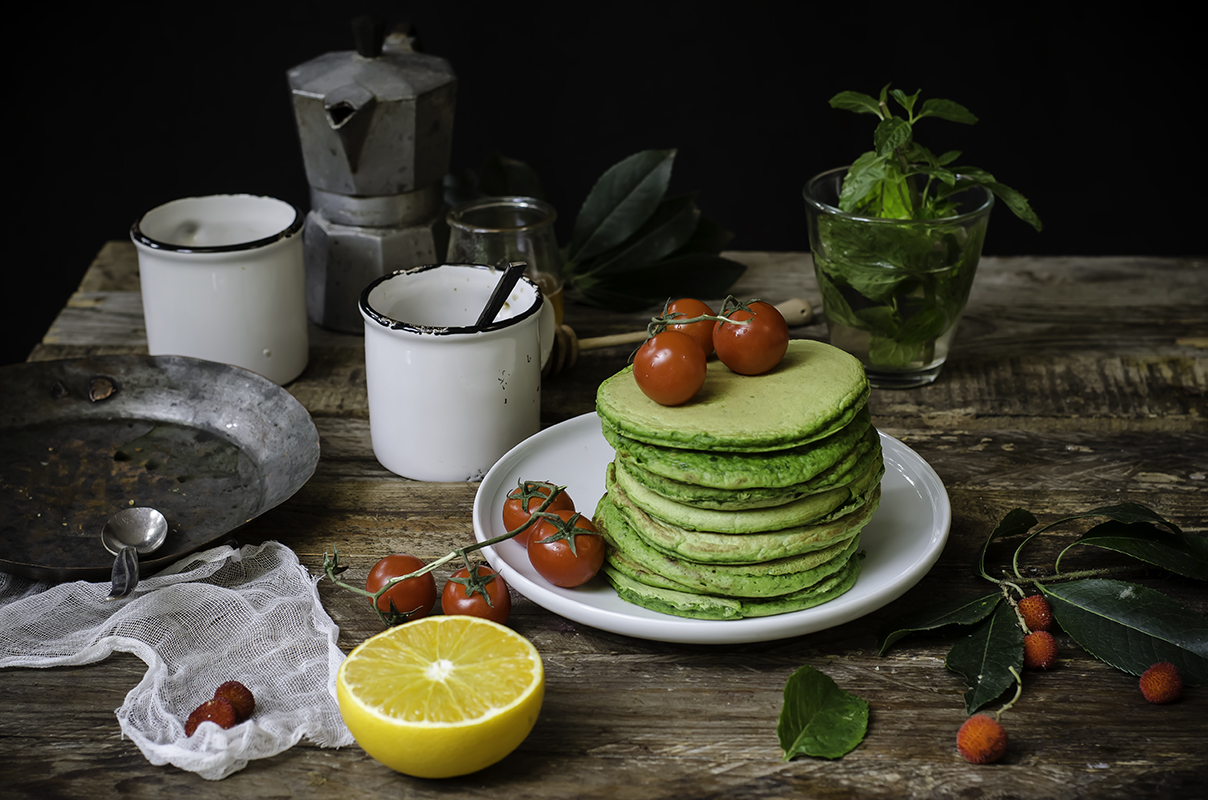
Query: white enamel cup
[
  {"x": 448, "y": 398},
  {"x": 223, "y": 279}
]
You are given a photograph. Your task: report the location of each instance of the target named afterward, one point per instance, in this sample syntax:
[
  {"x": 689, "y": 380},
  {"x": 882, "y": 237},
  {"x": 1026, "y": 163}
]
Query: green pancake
[
  {"x": 703, "y": 547},
  {"x": 765, "y": 579},
  {"x": 815, "y": 391},
  {"x": 701, "y": 606},
  {"x": 807, "y": 510},
  {"x": 814, "y": 464}
]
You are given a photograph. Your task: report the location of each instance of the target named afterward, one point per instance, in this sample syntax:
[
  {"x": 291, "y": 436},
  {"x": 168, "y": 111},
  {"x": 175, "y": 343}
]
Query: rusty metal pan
[{"x": 210, "y": 445}]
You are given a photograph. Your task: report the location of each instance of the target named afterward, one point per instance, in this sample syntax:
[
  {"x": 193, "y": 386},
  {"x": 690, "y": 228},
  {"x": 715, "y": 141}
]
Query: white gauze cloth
[{"x": 251, "y": 615}]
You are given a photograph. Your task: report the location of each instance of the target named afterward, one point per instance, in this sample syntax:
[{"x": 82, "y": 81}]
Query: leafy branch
[
  {"x": 1126, "y": 625},
  {"x": 631, "y": 246}
]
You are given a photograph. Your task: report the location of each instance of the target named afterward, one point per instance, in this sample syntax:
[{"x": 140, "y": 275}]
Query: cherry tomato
[
  {"x": 757, "y": 346},
  {"x": 559, "y": 561},
  {"x": 670, "y": 368},
  {"x": 701, "y": 332},
  {"x": 516, "y": 512},
  {"x": 412, "y": 598},
  {"x": 483, "y": 595}
]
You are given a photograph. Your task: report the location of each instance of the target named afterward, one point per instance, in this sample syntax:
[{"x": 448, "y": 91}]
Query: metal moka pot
[{"x": 376, "y": 128}]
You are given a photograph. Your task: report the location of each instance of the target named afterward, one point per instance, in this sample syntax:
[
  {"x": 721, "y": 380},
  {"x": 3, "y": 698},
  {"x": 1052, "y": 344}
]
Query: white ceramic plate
[{"x": 902, "y": 542}]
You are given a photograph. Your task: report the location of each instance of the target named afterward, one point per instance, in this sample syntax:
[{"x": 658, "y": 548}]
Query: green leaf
[
  {"x": 1016, "y": 523},
  {"x": 1131, "y": 627},
  {"x": 907, "y": 101},
  {"x": 708, "y": 237},
  {"x": 1180, "y": 553},
  {"x": 502, "y": 177},
  {"x": 890, "y": 134},
  {"x": 687, "y": 275},
  {"x": 985, "y": 656},
  {"x": 862, "y": 177},
  {"x": 620, "y": 202},
  {"x": 965, "y": 611},
  {"x": 947, "y": 109},
  {"x": 667, "y": 230},
  {"x": 857, "y": 102},
  {"x": 818, "y": 718},
  {"x": 1017, "y": 203}
]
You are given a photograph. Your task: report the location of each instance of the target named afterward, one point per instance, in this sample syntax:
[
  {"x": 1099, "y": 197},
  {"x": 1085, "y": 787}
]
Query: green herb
[
  {"x": 1123, "y": 624},
  {"x": 899, "y": 287},
  {"x": 631, "y": 246},
  {"x": 900, "y": 178},
  {"x": 818, "y": 718}
]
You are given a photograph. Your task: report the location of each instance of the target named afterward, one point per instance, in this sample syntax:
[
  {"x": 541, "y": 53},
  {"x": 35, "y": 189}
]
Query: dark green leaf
[
  {"x": 985, "y": 656},
  {"x": 1180, "y": 553},
  {"x": 1015, "y": 523},
  {"x": 890, "y": 134},
  {"x": 948, "y": 157},
  {"x": 620, "y": 202},
  {"x": 709, "y": 237},
  {"x": 857, "y": 102},
  {"x": 1131, "y": 627},
  {"x": 667, "y": 230},
  {"x": 818, "y": 718},
  {"x": 502, "y": 177},
  {"x": 965, "y": 611},
  {"x": 947, "y": 109},
  {"x": 1016, "y": 202},
  {"x": 688, "y": 275}
]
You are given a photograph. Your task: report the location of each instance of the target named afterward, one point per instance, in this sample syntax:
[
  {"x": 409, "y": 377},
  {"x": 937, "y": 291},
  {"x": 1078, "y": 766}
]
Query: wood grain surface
[{"x": 1073, "y": 383}]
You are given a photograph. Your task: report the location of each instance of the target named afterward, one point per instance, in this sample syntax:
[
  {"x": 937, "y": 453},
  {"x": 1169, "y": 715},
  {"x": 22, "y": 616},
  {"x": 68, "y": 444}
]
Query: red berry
[
  {"x": 981, "y": 740},
  {"x": 1036, "y": 613},
  {"x": 1039, "y": 650},
  {"x": 240, "y": 697},
  {"x": 218, "y": 710},
  {"x": 1162, "y": 683}
]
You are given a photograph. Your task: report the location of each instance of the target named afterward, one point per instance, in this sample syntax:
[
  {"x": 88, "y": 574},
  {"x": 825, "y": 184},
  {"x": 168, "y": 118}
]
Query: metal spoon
[{"x": 127, "y": 533}]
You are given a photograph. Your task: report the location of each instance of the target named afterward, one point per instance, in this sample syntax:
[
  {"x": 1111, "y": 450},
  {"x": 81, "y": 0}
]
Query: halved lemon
[{"x": 441, "y": 696}]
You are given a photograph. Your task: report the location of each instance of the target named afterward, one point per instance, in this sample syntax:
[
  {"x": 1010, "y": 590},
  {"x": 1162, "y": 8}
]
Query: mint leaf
[
  {"x": 966, "y": 611},
  {"x": 857, "y": 102},
  {"x": 907, "y": 101},
  {"x": 818, "y": 718},
  {"x": 620, "y": 202},
  {"x": 947, "y": 109},
  {"x": 862, "y": 177},
  {"x": 891, "y": 134},
  {"x": 1131, "y": 627},
  {"x": 984, "y": 657}
]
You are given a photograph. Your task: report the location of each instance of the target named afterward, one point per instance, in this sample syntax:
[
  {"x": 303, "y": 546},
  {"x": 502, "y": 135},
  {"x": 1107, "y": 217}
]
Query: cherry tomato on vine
[
  {"x": 757, "y": 346},
  {"x": 523, "y": 500},
  {"x": 412, "y": 598},
  {"x": 701, "y": 332},
  {"x": 670, "y": 368},
  {"x": 564, "y": 553},
  {"x": 482, "y": 595}
]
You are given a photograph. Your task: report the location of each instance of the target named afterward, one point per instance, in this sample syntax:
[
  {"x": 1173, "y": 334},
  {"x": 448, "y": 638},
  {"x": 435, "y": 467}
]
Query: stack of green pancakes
[{"x": 748, "y": 500}]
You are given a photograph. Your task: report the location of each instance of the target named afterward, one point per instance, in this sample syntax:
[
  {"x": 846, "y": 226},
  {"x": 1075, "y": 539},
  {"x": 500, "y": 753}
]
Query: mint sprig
[{"x": 900, "y": 178}]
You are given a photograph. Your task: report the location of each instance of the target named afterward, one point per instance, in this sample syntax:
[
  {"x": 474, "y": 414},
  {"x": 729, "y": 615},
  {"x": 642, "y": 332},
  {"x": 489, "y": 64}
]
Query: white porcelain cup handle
[{"x": 546, "y": 328}]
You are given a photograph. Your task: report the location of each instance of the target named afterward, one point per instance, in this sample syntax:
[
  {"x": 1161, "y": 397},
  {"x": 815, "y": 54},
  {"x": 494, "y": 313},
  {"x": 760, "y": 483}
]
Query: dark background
[{"x": 1094, "y": 117}]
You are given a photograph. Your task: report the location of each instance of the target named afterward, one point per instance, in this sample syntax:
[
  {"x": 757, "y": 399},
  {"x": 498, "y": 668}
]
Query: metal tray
[{"x": 210, "y": 445}]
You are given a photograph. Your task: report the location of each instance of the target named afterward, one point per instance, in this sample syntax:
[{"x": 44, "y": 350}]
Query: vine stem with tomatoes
[{"x": 332, "y": 566}]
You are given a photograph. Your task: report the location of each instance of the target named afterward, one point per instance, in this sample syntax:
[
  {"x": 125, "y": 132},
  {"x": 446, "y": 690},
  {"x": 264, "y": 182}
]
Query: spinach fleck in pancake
[{"x": 816, "y": 390}]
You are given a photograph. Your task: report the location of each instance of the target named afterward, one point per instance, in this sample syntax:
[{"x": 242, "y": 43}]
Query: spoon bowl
[{"x": 128, "y": 533}]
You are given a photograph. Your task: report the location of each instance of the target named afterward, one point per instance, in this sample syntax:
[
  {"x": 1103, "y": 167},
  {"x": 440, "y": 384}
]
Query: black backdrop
[{"x": 1094, "y": 117}]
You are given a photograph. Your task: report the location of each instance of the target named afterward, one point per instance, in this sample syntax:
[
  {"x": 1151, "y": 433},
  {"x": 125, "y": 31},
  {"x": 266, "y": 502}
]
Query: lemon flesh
[{"x": 442, "y": 696}]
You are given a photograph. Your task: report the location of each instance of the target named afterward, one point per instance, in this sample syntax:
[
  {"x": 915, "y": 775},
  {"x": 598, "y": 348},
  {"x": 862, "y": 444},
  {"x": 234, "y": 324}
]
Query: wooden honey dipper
[{"x": 567, "y": 345}]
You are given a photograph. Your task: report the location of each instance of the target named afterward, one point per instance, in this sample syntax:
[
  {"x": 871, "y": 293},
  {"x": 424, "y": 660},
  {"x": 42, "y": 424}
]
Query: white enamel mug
[
  {"x": 223, "y": 279},
  {"x": 448, "y": 398}
]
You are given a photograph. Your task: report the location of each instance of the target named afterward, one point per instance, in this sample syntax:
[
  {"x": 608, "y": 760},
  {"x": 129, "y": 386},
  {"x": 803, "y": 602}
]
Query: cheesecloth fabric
[{"x": 251, "y": 614}]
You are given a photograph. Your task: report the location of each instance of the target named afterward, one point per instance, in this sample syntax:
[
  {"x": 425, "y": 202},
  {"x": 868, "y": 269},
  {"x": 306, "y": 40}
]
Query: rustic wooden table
[{"x": 1074, "y": 383}]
